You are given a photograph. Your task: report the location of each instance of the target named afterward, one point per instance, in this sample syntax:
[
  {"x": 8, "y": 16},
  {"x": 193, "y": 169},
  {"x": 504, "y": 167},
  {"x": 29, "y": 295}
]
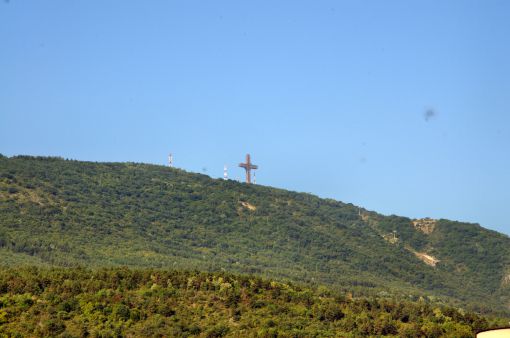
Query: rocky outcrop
[{"x": 425, "y": 225}]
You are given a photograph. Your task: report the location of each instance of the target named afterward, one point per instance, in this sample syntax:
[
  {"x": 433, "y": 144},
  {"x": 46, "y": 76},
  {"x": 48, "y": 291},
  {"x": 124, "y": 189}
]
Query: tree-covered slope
[
  {"x": 66, "y": 213},
  {"x": 120, "y": 302}
]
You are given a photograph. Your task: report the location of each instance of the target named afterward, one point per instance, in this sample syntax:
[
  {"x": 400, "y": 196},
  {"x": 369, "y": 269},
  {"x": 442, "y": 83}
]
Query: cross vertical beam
[{"x": 248, "y": 166}]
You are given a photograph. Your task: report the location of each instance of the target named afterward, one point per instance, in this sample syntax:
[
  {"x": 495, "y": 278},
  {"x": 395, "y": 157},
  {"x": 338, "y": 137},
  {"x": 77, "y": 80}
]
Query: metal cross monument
[{"x": 248, "y": 166}]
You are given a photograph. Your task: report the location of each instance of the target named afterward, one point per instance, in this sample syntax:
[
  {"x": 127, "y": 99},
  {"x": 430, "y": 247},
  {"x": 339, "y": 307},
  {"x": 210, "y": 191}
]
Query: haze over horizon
[{"x": 400, "y": 108}]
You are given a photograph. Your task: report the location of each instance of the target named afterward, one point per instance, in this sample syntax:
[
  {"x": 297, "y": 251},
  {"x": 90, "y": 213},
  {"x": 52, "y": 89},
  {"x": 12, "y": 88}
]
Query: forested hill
[
  {"x": 70, "y": 213},
  {"x": 121, "y": 302}
]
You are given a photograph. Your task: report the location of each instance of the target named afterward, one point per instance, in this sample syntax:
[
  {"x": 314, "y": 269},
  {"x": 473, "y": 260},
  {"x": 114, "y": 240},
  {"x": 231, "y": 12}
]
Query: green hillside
[
  {"x": 71, "y": 213},
  {"x": 154, "y": 303}
]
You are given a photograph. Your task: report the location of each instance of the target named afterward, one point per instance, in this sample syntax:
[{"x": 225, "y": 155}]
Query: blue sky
[{"x": 329, "y": 97}]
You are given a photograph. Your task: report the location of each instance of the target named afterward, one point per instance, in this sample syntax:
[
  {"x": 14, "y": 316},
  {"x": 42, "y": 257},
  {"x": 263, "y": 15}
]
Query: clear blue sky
[{"x": 329, "y": 97}]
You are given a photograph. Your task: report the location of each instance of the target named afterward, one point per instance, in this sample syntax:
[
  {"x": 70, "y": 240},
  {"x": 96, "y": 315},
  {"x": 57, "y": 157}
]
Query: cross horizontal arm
[{"x": 248, "y": 166}]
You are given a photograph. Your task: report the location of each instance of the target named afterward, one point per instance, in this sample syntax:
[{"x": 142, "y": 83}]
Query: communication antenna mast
[
  {"x": 170, "y": 160},
  {"x": 225, "y": 174},
  {"x": 254, "y": 178}
]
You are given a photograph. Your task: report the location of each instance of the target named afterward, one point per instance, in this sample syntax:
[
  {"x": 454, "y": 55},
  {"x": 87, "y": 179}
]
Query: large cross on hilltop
[{"x": 248, "y": 166}]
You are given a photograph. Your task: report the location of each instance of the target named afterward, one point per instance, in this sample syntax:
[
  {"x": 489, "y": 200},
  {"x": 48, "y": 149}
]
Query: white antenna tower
[
  {"x": 225, "y": 174},
  {"x": 170, "y": 160},
  {"x": 254, "y": 178}
]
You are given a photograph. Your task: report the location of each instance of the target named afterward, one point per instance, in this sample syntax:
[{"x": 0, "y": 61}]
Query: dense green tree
[{"x": 120, "y": 302}]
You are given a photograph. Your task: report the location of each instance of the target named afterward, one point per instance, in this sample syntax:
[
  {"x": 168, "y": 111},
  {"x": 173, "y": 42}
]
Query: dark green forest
[
  {"x": 67, "y": 213},
  {"x": 122, "y": 302}
]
